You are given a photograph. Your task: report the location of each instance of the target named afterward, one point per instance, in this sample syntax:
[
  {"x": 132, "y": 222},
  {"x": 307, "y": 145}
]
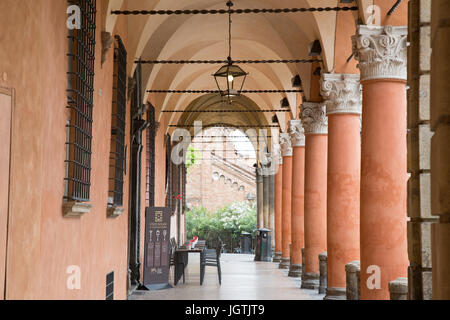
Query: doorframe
[{"x": 12, "y": 93}]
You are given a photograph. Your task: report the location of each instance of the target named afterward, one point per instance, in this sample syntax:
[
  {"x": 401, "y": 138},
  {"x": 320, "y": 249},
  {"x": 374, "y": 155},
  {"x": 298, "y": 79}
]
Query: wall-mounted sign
[{"x": 157, "y": 248}]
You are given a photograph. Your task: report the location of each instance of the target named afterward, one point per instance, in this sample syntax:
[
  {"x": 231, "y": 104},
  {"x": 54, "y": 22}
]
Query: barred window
[
  {"x": 150, "y": 158},
  {"x": 118, "y": 113},
  {"x": 80, "y": 95}
]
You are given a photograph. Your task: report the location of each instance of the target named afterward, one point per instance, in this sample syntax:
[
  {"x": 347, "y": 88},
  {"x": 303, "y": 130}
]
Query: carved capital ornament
[
  {"x": 314, "y": 118},
  {"x": 342, "y": 93},
  {"x": 285, "y": 143},
  {"x": 381, "y": 52},
  {"x": 297, "y": 133}
]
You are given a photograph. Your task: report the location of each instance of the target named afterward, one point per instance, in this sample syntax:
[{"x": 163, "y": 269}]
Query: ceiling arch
[{"x": 204, "y": 37}]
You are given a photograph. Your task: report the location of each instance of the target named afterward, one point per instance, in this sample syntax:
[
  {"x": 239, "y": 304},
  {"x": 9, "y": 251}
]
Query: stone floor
[{"x": 242, "y": 279}]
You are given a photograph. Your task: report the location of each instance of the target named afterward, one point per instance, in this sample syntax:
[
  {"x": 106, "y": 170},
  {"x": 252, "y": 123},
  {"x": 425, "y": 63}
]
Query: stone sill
[
  {"x": 114, "y": 212},
  {"x": 73, "y": 209}
]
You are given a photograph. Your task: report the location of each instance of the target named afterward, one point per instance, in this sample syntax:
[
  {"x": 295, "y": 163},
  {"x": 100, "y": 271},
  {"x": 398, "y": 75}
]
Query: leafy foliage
[
  {"x": 192, "y": 157},
  {"x": 232, "y": 219}
]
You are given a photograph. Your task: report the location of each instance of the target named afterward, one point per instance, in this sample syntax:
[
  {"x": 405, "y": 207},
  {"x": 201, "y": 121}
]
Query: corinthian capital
[
  {"x": 297, "y": 133},
  {"x": 285, "y": 143},
  {"x": 381, "y": 52},
  {"x": 342, "y": 93},
  {"x": 276, "y": 153},
  {"x": 314, "y": 118}
]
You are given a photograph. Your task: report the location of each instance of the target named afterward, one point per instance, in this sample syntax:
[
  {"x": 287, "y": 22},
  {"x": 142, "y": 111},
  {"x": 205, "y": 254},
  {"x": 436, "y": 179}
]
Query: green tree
[
  {"x": 192, "y": 156},
  {"x": 231, "y": 220}
]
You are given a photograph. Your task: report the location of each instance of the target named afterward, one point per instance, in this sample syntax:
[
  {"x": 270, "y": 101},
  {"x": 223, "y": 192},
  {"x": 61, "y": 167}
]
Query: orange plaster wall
[
  {"x": 345, "y": 29},
  {"x": 398, "y": 18},
  {"x": 42, "y": 244}
]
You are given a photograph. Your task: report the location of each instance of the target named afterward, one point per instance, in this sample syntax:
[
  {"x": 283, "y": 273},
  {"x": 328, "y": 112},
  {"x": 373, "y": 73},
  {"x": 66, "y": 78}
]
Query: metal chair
[{"x": 211, "y": 257}]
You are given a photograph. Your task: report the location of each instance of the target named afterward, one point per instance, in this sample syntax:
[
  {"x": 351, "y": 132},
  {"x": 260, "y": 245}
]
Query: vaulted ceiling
[{"x": 205, "y": 37}]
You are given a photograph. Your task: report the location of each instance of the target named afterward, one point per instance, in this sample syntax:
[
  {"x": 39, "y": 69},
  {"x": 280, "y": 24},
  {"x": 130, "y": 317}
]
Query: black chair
[
  {"x": 173, "y": 258},
  {"x": 211, "y": 257}
]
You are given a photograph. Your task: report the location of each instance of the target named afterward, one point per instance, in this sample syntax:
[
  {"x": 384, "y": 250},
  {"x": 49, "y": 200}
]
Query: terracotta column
[
  {"x": 298, "y": 194},
  {"x": 259, "y": 198},
  {"x": 381, "y": 52},
  {"x": 343, "y": 100},
  {"x": 278, "y": 209},
  {"x": 272, "y": 209},
  {"x": 265, "y": 177},
  {"x": 286, "y": 152},
  {"x": 316, "y": 128}
]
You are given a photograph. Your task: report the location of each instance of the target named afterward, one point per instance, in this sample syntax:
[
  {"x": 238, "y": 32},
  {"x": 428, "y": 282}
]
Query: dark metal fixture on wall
[
  {"x": 296, "y": 82},
  {"x": 284, "y": 103}
]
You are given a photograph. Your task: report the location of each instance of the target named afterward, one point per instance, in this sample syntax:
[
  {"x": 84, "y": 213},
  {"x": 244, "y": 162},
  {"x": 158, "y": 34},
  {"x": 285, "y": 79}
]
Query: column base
[
  {"x": 335, "y": 294},
  {"x": 295, "y": 270},
  {"x": 285, "y": 263},
  {"x": 277, "y": 257},
  {"x": 310, "y": 281},
  {"x": 322, "y": 290}
]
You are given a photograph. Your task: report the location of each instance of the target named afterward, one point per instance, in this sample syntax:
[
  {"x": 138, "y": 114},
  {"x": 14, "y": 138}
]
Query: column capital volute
[
  {"x": 314, "y": 118},
  {"x": 381, "y": 52},
  {"x": 285, "y": 143},
  {"x": 342, "y": 93},
  {"x": 297, "y": 133}
]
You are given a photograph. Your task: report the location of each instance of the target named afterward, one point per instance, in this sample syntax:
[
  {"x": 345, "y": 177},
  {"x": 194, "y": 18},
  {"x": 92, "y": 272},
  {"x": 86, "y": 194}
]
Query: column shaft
[
  {"x": 344, "y": 158},
  {"x": 259, "y": 199},
  {"x": 286, "y": 210},
  {"x": 272, "y": 209},
  {"x": 383, "y": 186},
  {"x": 278, "y": 214},
  {"x": 297, "y": 209},
  {"x": 265, "y": 198},
  {"x": 315, "y": 201}
]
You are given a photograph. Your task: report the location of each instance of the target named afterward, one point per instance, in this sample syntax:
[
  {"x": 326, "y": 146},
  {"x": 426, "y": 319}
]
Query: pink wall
[{"x": 42, "y": 244}]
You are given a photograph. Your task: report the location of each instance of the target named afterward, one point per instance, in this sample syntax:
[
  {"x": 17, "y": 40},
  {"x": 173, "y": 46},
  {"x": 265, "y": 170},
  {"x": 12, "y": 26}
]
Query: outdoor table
[{"x": 181, "y": 261}]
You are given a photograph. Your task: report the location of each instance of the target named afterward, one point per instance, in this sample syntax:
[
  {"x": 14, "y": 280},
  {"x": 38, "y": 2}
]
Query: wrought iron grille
[
  {"x": 150, "y": 158},
  {"x": 119, "y": 107},
  {"x": 110, "y": 286},
  {"x": 80, "y": 96}
]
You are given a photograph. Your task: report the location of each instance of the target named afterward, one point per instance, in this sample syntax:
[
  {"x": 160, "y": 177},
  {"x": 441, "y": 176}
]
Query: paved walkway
[{"x": 242, "y": 279}]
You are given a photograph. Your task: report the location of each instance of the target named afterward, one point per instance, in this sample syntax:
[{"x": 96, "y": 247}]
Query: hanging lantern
[{"x": 230, "y": 78}]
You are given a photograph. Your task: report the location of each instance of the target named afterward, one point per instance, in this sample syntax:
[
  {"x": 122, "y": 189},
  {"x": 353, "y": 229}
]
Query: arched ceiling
[{"x": 205, "y": 37}]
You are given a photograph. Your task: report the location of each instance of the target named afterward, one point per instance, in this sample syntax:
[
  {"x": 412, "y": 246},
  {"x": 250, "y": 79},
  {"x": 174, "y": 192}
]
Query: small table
[{"x": 181, "y": 262}]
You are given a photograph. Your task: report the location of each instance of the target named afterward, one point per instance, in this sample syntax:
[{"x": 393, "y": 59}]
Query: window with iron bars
[
  {"x": 150, "y": 158},
  {"x": 80, "y": 96},
  {"x": 118, "y": 113}
]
